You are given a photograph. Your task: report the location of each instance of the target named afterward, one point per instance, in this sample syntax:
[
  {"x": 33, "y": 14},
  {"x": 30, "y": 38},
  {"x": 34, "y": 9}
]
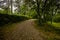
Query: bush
[
  {"x": 3, "y": 11},
  {"x": 57, "y": 19},
  {"x": 5, "y": 19}
]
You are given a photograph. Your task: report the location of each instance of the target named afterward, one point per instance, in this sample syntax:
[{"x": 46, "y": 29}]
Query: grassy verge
[
  {"x": 56, "y": 25},
  {"x": 8, "y": 27},
  {"x": 49, "y": 31}
]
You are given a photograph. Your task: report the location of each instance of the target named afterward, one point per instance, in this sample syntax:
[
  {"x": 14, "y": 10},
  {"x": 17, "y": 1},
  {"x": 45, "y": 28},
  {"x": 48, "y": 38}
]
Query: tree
[
  {"x": 8, "y": 6},
  {"x": 44, "y": 9},
  {"x": 11, "y": 7},
  {"x": 18, "y": 5},
  {"x": 38, "y": 10}
]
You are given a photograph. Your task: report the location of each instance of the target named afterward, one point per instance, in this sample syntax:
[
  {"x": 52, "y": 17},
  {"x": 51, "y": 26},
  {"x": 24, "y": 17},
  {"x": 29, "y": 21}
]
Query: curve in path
[{"x": 23, "y": 31}]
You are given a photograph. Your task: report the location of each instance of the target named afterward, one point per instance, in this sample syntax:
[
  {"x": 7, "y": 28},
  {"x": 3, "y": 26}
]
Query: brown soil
[{"x": 21, "y": 31}]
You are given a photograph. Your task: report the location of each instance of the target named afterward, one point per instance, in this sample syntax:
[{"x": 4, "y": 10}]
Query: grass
[
  {"x": 49, "y": 31},
  {"x": 6, "y": 29},
  {"x": 8, "y": 26},
  {"x": 54, "y": 24}
]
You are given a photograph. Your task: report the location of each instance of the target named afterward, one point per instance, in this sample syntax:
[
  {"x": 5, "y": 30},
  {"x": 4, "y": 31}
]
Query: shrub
[
  {"x": 56, "y": 19},
  {"x": 5, "y": 19}
]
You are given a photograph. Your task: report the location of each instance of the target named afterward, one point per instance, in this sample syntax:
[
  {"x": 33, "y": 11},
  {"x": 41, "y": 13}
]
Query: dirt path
[{"x": 22, "y": 31}]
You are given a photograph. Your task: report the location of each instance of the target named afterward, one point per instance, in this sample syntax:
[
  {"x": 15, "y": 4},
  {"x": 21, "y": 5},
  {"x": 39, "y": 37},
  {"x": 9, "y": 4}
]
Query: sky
[{"x": 1, "y": 0}]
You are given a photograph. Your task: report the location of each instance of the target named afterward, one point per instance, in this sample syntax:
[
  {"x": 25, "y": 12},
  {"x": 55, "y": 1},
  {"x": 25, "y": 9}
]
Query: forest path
[{"x": 22, "y": 31}]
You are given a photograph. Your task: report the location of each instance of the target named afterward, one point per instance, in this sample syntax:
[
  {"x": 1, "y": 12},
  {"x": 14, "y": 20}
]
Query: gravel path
[{"x": 22, "y": 31}]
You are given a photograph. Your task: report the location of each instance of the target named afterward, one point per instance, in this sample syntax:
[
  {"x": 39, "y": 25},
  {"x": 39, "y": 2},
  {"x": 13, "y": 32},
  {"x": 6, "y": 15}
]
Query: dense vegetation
[
  {"x": 47, "y": 13},
  {"x": 8, "y": 19}
]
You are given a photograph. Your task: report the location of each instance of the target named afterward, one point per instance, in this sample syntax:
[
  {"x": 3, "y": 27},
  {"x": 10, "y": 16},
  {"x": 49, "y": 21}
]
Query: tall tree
[
  {"x": 11, "y": 7},
  {"x": 8, "y": 6},
  {"x": 18, "y": 5},
  {"x": 38, "y": 10}
]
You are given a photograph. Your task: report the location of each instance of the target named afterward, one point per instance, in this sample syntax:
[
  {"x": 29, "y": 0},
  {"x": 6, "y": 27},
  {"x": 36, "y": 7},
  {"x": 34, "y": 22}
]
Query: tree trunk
[
  {"x": 18, "y": 6},
  {"x": 11, "y": 8},
  {"x": 8, "y": 7},
  {"x": 38, "y": 11},
  {"x": 52, "y": 16},
  {"x": 43, "y": 10}
]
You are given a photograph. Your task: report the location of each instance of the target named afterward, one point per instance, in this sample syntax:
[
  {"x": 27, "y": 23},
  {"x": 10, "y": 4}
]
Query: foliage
[
  {"x": 8, "y": 19},
  {"x": 2, "y": 12},
  {"x": 47, "y": 9},
  {"x": 44, "y": 10},
  {"x": 56, "y": 19},
  {"x": 49, "y": 31}
]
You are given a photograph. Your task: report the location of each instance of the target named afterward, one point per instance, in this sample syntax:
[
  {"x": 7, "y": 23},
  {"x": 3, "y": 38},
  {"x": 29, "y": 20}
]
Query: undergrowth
[
  {"x": 9, "y": 19},
  {"x": 49, "y": 31}
]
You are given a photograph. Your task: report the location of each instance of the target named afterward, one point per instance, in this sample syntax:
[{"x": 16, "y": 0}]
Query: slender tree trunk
[
  {"x": 18, "y": 5},
  {"x": 8, "y": 6},
  {"x": 38, "y": 11},
  {"x": 55, "y": 12},
  {"x": 11, "y": 7},
  {"x": 52, "y": 16},
  {"x": 43, "y": 10}
]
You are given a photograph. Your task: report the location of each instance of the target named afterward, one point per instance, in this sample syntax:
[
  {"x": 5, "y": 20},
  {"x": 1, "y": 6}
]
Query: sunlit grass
[
  {"x": 54, "y": 24},
  {"x": 50, "y": 31}
]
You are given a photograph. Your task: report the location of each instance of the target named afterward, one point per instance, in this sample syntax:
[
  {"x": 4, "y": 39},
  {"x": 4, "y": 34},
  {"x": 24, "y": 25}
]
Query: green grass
[
  {"x": 8, "y": 28},
  {"x": 49, "y": 31},
  {"x": 54, "y": 24}
]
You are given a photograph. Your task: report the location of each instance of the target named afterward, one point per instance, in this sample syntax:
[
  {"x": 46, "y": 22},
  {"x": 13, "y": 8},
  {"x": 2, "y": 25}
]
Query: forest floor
[
  {"x": 21, "y": 31},
  {"x": 27, "y": 30}
]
